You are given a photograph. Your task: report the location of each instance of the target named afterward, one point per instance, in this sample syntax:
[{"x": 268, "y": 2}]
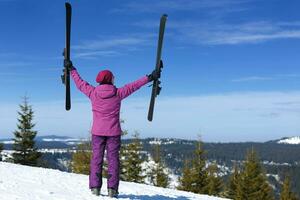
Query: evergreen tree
[
  {"x": 123, "y": 155},
  {"x": 199, "y": 179},
  {"x": 123, "y": 162},
  {"x": 81, "y": 158},
  {"x": 185, "y": 181},
  {"x": 239, "y": 192},
  {"x": 199, "y": 173},
  {"x": 234, "y": 182},
  {"x": 157, "y": 175},
  {"x": 254, "y": 185},
  {"x": 24, "y": 145},
  {"x": 214, "y": 182},
  {"x": 1, "y": 149},
  {"x": 286, "y": 193},
  {"x": 132, "y": 165}
]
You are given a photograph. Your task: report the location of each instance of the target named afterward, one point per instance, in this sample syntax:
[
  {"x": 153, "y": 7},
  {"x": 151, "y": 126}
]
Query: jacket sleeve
[
  {"x": 129, "y": 88},
  {"x": 82, "y": 85}
]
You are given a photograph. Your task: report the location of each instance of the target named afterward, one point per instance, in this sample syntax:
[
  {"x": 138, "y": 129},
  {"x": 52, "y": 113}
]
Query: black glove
[
  {"x": 154, "y": 75},
  {"x": 68, "y": 64}
]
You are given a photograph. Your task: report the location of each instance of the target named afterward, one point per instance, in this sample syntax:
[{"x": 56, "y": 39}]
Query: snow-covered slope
[
  {"x": 290, "y": 140},
  {"x": 30, "y": 183}
]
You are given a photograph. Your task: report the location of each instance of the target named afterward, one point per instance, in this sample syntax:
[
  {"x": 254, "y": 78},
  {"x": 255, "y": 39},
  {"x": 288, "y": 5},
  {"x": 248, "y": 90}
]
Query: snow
[
  {"x": 158, "y": 141},
  {"x": 276, "y": 176},
  {"x": 53, "y": 151},
  {"x": 7, "y": 142},
  {"x": 23, "y": 182},
  {"x": 155, "y": 142},
  {"x": 266, "y": 162},
  {"x": 60, "y": 140},
  {"x": 150, "y": 164},
  {"x": 291, "y": 140}
]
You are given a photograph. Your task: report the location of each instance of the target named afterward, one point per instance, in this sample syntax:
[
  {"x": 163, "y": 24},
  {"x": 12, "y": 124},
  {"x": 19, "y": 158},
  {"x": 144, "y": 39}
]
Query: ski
[
  {"x": 156, "y": 88},
  {"x": 66, "y": 54}
]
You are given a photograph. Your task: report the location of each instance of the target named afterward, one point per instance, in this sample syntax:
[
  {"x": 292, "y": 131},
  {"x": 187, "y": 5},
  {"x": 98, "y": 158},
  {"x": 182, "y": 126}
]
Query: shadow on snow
[{"x": 154, "y": 197}]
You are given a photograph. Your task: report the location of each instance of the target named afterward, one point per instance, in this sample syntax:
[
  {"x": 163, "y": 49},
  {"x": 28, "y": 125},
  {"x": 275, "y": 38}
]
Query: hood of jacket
[{"x": 106, "y": 91}]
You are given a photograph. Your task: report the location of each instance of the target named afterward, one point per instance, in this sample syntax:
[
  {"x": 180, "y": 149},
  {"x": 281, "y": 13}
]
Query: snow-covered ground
[
  {"x": 31, "y": 183},
  {"x": 291, "y": 140}
]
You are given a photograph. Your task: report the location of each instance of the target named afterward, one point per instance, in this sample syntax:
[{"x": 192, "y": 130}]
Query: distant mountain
[
  {"x": 161, "y": 141},
  {"x": 289, "y": 140},
  {"x": 49, "y": 141},
  {"x": 54, "y": 138}
]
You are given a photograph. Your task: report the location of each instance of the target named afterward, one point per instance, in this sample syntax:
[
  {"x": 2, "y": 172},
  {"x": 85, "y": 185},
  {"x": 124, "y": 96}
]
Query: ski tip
[
  {"x": 165, "y": 15},
  {"x": 68, "y": 5}
]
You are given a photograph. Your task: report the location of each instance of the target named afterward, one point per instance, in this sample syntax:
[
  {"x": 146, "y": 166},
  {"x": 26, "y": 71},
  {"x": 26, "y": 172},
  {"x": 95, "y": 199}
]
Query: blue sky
[{"x": 231, "y": 66}]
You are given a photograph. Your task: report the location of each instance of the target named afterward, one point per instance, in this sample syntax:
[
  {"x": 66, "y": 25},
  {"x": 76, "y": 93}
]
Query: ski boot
[
  {"x": 96, "y": 191},
  {"x": 112, "y": 193}
]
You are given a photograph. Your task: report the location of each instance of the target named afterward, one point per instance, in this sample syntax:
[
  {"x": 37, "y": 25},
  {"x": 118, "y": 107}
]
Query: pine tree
[
  {"x": 123, "y": 162},
  {"x": 1, "y": 149},
  {"x": 24, "y": 145},
  {"x": 286, "y": 193},
  {"x": 132, "y": 165},
  {"x": 195, "y": 175},
  {"x": 157, "y": 175},
  {"x": 214, "y": 182},
  {"x": 199, "y": 173},
  {"x": 81, "y": 158},
  {"x": 185, "y": 181},
  {"x": 254, "y": 185},
  {"x": 123, "y": 155},
  {"x": 234, "y": 183}
]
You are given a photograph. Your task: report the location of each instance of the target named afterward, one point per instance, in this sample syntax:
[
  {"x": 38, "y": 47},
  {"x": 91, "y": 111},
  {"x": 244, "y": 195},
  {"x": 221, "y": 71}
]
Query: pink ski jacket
[{"x": 106, "y": 103}]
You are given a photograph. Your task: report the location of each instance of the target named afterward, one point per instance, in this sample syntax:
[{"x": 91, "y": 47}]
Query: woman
[{"x": 106, "y": 130}]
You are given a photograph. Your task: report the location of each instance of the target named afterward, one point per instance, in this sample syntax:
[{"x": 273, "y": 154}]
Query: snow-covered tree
[
  {"x": 132, "y": 161},
  {"x": 158, "y": 175},
  {"x": 24, "y": 145}
]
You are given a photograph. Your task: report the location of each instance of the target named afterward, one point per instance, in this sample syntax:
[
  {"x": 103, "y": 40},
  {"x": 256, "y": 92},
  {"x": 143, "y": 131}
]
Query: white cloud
[
  {"x": 95, "y": 54},
  {"x": 111, "y": 45},
  {"x": 267, "y": 78},
  {"x": 220, "y": 33},
  {"x": 181, "y": 5},
  {"x": 232, "y": 34},
  {"x": 6, "y": 54},
  {"x": 224, "y": 117},
  {"x": 9, "y": 64},
  {"x": 213, "y": 32},
  {"x": 108, "y": 43},
  {"x": 7, "y": 1},
  {"x": 8, "y": 74},
  {"x": 253, "y": 78},
  {"x": 245, "y": 37},
  {"x": 251, "y": 116}
]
